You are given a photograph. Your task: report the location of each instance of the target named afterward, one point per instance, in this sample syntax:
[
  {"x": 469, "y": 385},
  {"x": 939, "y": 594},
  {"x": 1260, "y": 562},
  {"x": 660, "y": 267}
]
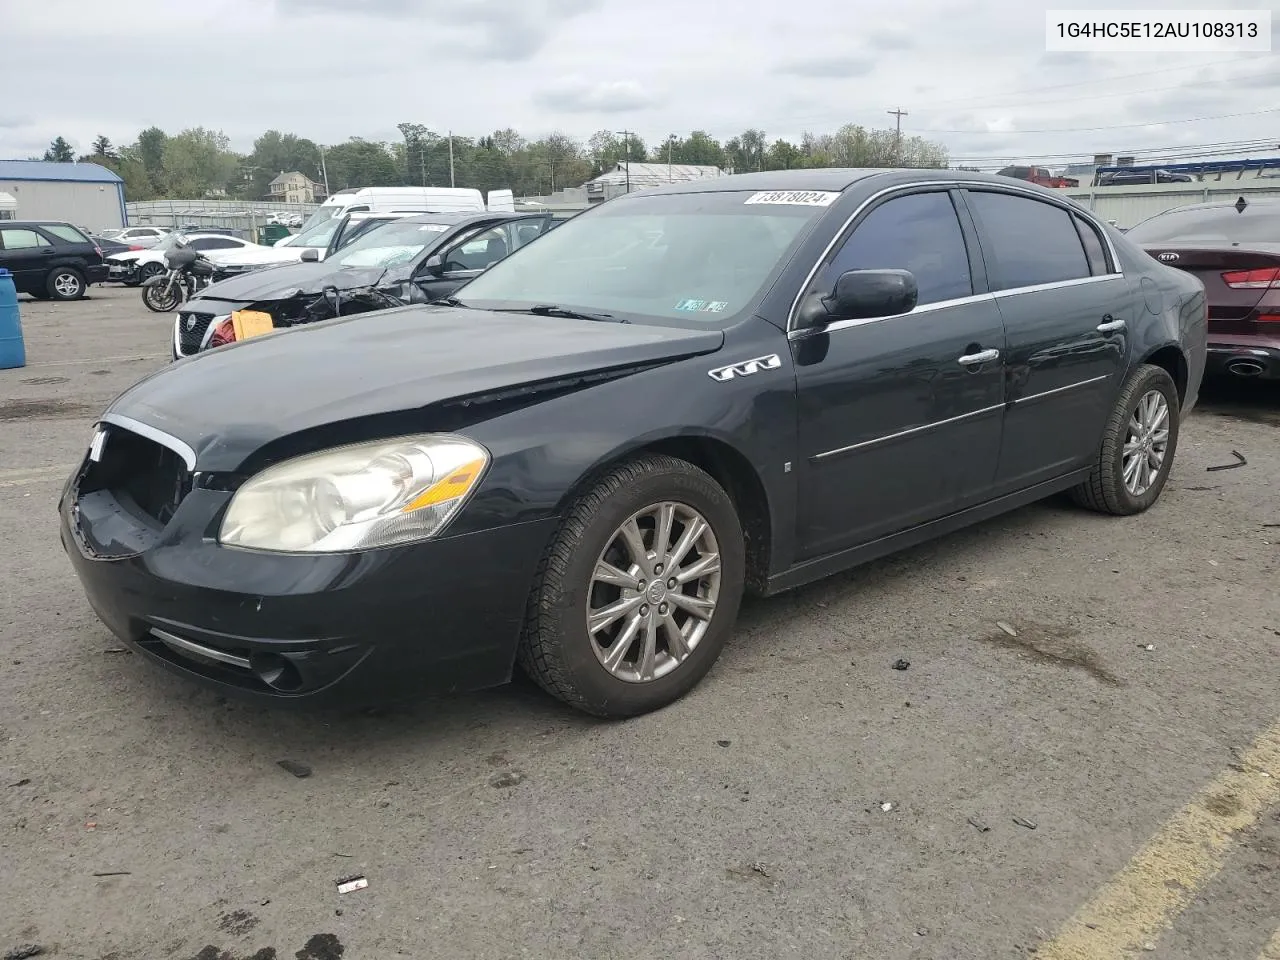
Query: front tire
[
  {"x": 638, "y": 591},
  {"x": 65, "y": 283},
  {"x": 1138, "y": 446},
  {"x": 161, "y": 297}
]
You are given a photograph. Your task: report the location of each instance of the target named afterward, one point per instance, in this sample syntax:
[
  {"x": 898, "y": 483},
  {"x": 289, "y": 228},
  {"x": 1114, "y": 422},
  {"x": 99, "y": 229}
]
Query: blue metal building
[{"x": 85, "y": 194}]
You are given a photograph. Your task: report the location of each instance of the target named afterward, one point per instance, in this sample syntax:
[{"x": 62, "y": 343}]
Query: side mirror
[
  {"x": 310, "y": 255},
  {"x": 861, "y": 295},
  {"x": 434, "y": 265}
]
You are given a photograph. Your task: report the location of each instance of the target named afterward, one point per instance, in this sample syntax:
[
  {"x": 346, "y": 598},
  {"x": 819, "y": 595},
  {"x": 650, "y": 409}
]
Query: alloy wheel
[
  {"x": 653, "y": 592},
  {"x": 1146, "y": 443},
  {"x": 67, "y": 285}
]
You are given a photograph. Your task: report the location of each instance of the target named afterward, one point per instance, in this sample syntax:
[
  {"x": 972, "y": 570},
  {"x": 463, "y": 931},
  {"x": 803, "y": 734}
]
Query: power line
[
  {"x": 1203, "y": 149},
  {"x": 1083, "y": 83},
  {"x": 1127, "y": 93},
  {"x": 1114, "y": 126}
]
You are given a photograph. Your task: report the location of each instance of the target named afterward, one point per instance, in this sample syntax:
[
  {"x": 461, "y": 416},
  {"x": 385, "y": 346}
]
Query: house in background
[{"x": 295, "y": 187}]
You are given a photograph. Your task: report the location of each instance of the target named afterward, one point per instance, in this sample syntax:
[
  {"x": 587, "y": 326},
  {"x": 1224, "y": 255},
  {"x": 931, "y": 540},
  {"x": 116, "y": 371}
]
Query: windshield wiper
[{"x": 551, "y": 310}]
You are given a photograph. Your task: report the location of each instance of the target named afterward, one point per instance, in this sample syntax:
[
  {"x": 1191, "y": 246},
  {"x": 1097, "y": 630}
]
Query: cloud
[
  {"x": 333, "y": 69},
  {"x": 828, "y": 68},
  {"x": 508, "y": 30},
  {"x": 891, "y": 40},
  {"x": 575, "y": 94}
]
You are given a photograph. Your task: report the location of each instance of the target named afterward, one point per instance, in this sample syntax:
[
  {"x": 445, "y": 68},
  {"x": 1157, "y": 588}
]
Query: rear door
[
  {"x": 27, "y": 254},
  {"x": 1066, "y": 308}
]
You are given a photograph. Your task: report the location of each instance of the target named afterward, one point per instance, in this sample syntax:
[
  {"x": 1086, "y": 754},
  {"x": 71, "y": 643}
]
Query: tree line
[{"x": 199, "y": 163}]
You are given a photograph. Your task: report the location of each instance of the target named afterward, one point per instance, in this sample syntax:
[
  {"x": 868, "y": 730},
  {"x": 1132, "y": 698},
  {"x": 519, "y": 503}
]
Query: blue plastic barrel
[{"x": 13, "y": 353}]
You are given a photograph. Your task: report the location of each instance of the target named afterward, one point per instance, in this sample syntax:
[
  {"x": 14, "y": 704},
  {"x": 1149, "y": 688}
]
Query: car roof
[
  {"x": 37, "y": 223},
  {"x": 829, "y": 178},
  {"x": 458, "y": 217}
]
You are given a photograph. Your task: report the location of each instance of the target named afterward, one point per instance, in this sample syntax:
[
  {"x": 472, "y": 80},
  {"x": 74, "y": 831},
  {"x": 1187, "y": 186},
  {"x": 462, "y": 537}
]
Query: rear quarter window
[{"x": 64, "y": 231}]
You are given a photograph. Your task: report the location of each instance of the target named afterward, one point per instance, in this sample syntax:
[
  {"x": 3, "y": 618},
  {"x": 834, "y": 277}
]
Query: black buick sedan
[{"x": 581, "y": 461}]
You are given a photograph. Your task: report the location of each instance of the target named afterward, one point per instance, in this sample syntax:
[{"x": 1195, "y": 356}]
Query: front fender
[{"x": 545, "y": 452}]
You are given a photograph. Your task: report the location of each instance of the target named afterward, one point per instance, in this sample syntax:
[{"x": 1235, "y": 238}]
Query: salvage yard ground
[{"x": 1082, "y": 758}]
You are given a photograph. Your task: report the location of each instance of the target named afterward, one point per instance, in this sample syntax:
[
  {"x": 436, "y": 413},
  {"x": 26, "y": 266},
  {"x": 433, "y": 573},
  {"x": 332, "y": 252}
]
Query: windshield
[
  {"x": 691, "y": 259},
  {"x": 1210, "y": 225},
  {"x": 318, "y": 231},
  {"x": 391, "y": 244},
  {"x": 326, "y": 211}
]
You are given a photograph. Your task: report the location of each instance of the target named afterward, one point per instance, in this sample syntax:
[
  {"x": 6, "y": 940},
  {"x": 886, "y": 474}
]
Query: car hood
[
  {"x": 278, "y": 282},
  {"x": 228, "y": 403}
]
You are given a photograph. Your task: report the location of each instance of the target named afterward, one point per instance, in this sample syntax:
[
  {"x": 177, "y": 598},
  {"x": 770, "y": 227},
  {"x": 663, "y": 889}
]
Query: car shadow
[{"x": 1254, "y": 400}]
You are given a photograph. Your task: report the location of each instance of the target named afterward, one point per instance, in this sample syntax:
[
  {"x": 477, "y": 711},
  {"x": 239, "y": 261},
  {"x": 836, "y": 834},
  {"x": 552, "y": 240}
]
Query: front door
[
  {"x": 1064, "y": 307},
  {"x": 472, "y": 254},
  {"x": 899, "y": 417},
  {"x": 27, "y": 255}
]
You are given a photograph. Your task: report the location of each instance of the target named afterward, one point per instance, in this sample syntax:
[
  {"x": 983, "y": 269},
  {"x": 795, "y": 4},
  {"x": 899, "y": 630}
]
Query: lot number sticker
[{"x": 804, "y": 198}]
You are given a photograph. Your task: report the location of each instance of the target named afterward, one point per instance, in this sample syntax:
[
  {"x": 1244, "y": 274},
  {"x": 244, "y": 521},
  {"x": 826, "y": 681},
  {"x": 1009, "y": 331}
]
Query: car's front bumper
[
  {"x": 1244, "y": 355},
  {"x": 353, "y": 629},
  {"x": 121, "y": 272}
]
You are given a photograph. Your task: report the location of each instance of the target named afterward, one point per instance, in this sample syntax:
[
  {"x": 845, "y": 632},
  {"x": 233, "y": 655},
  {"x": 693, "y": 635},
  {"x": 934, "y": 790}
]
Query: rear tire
[
  {"x": 1138, "y": 446},
  {"x": 65, "y": 283},
  {"x": 673, "y": 646}
]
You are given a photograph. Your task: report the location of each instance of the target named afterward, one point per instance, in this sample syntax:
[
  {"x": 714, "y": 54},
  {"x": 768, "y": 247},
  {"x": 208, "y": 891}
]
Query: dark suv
[{"x": 50, "y": 260}]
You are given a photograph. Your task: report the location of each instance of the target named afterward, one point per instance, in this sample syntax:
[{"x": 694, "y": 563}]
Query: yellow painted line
[
  {"x": 1272, "y": 950},
  {"x": 1138, "y": 903}
]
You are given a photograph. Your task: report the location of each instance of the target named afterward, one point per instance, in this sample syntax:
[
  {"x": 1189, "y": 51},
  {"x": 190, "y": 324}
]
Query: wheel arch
[
  {"x": 1170, "y": 358},
  {"x": 728, "y": 466}
]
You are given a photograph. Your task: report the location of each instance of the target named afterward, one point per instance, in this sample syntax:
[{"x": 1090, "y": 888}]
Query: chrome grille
[{"x": 191, "y": 330}]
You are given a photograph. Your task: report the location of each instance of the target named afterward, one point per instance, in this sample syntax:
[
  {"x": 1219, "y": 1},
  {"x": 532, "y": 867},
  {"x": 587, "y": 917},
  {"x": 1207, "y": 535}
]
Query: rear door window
[{"x": 1027, "y": 242}]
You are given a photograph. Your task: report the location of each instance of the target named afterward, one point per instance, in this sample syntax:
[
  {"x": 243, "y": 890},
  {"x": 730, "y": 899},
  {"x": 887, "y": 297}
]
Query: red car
[{"x": 1234, "y": 249}]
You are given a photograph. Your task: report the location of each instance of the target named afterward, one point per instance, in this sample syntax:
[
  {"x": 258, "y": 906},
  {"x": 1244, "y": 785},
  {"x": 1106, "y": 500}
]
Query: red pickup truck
[{"x": 1039, "y": 175}]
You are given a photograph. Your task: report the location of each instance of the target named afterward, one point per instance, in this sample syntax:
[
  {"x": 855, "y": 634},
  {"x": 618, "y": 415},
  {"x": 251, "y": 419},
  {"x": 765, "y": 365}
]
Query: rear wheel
[
  {"x": 1138, "y": 446},
  {"x": 638, "y": 591},
  {"x": 65, "y": 283}
]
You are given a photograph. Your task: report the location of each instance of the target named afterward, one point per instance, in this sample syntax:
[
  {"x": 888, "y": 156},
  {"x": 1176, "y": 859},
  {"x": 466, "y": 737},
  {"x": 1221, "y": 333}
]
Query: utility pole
[
  {"x": 897, "y": 142},
  {"x": 627, "y": 134},
  {"x": 671, "y": 139},
  {"x": 324, "y": 172},
  {"x": 451, "y": 158}
]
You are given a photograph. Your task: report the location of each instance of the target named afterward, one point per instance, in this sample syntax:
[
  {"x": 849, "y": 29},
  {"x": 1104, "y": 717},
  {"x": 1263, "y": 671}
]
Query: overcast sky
[{"x": 973, "y": 75}]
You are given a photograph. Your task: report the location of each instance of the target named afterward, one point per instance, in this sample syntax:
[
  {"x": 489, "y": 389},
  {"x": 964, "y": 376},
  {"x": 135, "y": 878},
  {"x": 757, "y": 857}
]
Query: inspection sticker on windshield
[
  {"x": 804, "y": 198},
  {"x": 433, "y": 228}
]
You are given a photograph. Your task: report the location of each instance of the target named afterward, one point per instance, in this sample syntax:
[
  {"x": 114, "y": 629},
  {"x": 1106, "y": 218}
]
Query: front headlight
[{"x": 357, "y": 497}]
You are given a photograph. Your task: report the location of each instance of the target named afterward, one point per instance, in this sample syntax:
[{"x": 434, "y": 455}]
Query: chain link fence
[{"x": 242, "y": 218}]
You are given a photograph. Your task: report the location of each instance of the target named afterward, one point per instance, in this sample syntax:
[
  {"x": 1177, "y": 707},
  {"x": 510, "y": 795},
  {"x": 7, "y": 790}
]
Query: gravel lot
[{"x": 747, "y": 821}]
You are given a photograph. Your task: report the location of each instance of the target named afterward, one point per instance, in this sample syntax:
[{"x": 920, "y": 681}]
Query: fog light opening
[{"x": 275, "y": 671}]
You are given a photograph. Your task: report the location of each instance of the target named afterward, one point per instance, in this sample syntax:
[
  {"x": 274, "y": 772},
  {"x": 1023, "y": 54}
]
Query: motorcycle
[{"x": 188, "y": 273}]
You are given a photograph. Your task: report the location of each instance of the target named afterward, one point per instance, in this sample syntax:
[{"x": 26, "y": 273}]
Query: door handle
[
  {"x": 1110, "y": 325},
  {"x": 982, "y": 356}
]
